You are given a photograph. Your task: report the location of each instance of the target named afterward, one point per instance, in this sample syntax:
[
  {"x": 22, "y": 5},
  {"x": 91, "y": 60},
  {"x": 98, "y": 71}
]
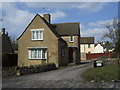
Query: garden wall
[
  {"x": 13, "y": 71},
  {"x": 96, "y": 55}
]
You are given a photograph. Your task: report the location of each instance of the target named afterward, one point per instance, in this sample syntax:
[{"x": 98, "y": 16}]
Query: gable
[{"x": 39, "y": 22}]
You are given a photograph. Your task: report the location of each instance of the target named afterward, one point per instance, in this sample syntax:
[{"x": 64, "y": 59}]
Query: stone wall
[{"x": 17, "y": 71}]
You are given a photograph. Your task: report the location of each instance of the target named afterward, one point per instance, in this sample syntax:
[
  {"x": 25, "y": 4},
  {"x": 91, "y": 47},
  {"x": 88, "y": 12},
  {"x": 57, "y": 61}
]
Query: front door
[{"x": 70, "y": 55}]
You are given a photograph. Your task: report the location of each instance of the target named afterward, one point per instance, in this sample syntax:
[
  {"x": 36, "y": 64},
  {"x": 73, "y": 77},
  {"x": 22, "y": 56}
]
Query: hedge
[{"x": 16, "y": 71}]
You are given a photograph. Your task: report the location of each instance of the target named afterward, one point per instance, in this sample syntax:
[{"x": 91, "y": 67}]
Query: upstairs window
[
  {"x": 71, "y": 39},
  {"x": 37, "y": 34},
  {"x": 88, "y": 45}
]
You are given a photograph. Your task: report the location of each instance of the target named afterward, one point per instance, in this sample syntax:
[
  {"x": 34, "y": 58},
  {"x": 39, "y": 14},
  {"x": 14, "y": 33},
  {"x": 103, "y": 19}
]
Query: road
[{"x": 67, "y": 77}]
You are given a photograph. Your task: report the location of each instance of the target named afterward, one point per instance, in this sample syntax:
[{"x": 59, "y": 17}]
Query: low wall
[
  {"x": 13, "y": 71},
  {"x": 96, "y": 55}
]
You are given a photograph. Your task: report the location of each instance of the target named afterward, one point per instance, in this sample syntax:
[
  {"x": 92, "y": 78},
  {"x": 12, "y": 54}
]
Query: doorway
[{"x": 70, "y": 55}]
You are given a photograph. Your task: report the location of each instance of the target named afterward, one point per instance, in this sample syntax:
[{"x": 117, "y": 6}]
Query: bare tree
[{"x": 113, "y": 33}]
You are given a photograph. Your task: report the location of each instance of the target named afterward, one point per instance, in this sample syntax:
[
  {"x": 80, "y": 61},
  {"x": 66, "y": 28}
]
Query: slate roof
[
  {"x": 65, "y": 29},
  {"x": 60, "y": 29},
  {"x": 87, "y": 40}
]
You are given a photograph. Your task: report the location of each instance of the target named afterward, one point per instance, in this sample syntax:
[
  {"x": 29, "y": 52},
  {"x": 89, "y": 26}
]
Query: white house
[
  {"x": 86, "y": 46},
  {"x": 99, "y": 48}
]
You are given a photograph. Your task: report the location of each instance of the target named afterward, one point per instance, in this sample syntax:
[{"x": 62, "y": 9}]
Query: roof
[
  {"x": 64, "y": 29},
  {"x": 6, "y": 45},
  {"x": 87, "y": 40},
  {"x": 49, "y": 25}
]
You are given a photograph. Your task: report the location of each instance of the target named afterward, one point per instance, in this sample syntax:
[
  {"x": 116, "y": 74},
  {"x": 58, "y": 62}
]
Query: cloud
[
  {"x": 100, "y": 23},
  {"x": 15, "y": 20},
  {"x": 89, "y": 6},
  {"x": 57, "y": 15},
  {"x": 94, "y": 32}
]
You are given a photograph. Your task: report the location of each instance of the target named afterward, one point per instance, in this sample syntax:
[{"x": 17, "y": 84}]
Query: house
[
  {"x": 86, "y": 46},
  {"x": 43, "y": 42},
  {"x": 9, "y": 58},
  {"x": 99, "y": 48}
]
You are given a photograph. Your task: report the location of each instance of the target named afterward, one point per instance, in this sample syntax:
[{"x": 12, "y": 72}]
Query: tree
[
  {"x": 13, "y": 42},
  {"x": 113, "y": 33}
]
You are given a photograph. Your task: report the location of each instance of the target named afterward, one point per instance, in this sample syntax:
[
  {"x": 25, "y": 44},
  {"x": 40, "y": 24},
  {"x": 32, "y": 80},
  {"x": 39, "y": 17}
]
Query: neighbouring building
[
  {"x": 86, "y": 46},
  {"x": 8, "y": 56},
  {"x": 43, "y": 42},
  {"x": 99, "y": 48}
]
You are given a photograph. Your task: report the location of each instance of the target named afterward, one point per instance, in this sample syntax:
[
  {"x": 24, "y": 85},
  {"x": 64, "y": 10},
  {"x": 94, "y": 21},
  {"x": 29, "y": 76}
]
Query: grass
[{"x": 105, "y": 73}]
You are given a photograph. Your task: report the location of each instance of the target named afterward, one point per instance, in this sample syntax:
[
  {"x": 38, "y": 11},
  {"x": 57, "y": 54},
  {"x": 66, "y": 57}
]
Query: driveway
[{"x": 67, "y": 77}]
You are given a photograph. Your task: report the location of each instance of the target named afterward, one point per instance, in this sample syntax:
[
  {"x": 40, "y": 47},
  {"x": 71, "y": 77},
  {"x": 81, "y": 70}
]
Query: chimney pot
[{"x": 47, "y": 17}]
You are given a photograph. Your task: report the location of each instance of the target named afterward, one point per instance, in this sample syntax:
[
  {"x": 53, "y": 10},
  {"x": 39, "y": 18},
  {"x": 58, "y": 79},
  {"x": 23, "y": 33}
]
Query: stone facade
[{"x": 57, "y": 47}]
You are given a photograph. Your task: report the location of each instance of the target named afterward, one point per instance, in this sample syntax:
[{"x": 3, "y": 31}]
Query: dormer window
[
  {"x": 37, "y": 34},
  {"x": 71, "y": 39}
]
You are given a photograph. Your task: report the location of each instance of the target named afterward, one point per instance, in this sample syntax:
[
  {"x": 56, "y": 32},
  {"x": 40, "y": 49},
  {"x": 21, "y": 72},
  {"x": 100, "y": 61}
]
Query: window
[
  {"x": 37, "y": 53},
  {"x": 37, "y": 34},
  {"x": 88, "y": 45},
  {"x": 63, "y": 52},
  {"x": 71, "y": 38}
]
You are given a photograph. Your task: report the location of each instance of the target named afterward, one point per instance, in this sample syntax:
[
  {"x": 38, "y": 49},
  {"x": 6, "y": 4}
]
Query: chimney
[
  {"x": 47, "y": 17},
  {"x": 3, "y": 30}
]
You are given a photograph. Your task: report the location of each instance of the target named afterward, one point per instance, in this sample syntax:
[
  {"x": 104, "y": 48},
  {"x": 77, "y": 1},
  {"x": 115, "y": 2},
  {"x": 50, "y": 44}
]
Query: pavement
[{"x": 66, "y": 77}]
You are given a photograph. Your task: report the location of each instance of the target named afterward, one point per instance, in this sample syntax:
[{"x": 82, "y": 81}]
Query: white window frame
[
  {"x": 41, "y": 50},
  {"x": 35, "y": 30},
  {"x": 70, "y": 38}
]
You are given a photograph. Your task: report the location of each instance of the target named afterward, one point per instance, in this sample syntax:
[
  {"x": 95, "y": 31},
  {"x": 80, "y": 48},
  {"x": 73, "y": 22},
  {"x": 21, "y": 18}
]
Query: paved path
[{"x": 68, "y": 77}]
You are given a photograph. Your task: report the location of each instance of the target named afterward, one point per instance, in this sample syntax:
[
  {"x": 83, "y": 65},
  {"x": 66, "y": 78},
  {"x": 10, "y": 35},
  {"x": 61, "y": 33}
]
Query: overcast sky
[{"x": 91, "y": 15}]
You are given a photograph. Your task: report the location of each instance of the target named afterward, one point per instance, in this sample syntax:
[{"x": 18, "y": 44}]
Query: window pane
[
  {"x": 35, "y": 53},
  {"x": 40, "y": 34},
  {"x": 39, "y": 54},
  {"x": 32, "y": 53},
  {"x": 37, "y": 35},
  {"x": 33, "y": 34},
  {"x": 43, "y": 54},
  {"x": 71, "y": 38}
]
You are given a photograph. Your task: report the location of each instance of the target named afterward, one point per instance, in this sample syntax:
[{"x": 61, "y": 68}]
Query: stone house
[{"x": 43, "y": 42}]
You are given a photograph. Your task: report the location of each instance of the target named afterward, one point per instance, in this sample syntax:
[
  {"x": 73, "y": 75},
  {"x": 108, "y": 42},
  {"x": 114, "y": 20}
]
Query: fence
[{"x": 97, "y": 55}]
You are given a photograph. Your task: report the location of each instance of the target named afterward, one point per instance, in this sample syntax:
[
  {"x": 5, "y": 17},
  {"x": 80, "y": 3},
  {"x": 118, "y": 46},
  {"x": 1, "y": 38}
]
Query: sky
[{"x": 93, "y": 16}]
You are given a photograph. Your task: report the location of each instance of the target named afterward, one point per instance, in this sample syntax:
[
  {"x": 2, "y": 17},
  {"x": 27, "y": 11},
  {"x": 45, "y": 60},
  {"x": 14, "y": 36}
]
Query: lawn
[{"x": 105, "y": 73}]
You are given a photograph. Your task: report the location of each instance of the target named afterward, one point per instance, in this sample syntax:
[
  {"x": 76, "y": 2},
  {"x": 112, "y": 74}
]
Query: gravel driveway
[{"x": 68, "y": 77}]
